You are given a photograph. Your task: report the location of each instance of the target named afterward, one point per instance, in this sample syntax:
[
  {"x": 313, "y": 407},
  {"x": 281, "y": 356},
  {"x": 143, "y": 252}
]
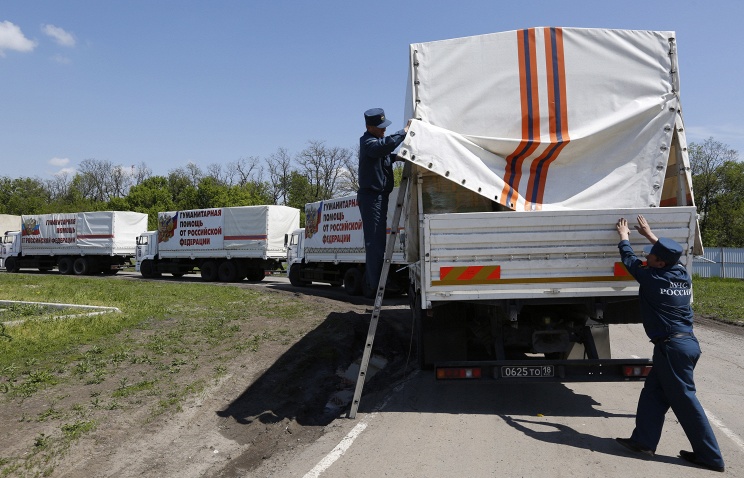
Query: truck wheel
[
  {"x": 256, "y": 274},
  {"x": 12, "y": 265},
  {"x": 353, "y": 280},
  {"x": 208, "y": 271},
  {"x": 65, "y": 265},
  {"x": 81, "y": 266},
  {"x": 147, "y": 269},
  {"x": 227, "y": 271},
  {"x": 294, "y": 276}
]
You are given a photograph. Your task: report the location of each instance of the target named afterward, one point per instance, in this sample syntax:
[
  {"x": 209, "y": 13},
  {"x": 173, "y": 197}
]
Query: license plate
[{"x": 528, "y": 371}]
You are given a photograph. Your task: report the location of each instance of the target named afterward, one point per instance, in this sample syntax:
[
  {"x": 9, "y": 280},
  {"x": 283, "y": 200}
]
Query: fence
[{"x": 722, "y": 262}]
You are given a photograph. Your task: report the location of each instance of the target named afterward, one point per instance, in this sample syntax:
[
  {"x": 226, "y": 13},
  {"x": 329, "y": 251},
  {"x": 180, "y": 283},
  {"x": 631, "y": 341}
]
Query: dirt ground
[{"x": 271, "y": 401}]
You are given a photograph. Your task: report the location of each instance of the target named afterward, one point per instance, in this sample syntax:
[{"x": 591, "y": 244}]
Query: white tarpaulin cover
[
  {"x": 259, "y": 228},
  {"x": 99, "y": 232},
  {"x": 549, "y": 118}
]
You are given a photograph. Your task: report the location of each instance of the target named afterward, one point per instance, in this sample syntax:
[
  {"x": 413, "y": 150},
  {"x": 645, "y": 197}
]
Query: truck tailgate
[{"x": 539, "y": 254}]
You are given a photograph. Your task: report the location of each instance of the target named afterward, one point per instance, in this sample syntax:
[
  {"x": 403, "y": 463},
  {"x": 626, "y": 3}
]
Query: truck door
[{"x": 294, "y": 248}]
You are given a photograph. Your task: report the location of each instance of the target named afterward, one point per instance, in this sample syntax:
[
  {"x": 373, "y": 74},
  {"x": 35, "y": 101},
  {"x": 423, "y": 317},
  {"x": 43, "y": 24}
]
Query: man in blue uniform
[
  {"x": 375, "y": 184},
  {"x": 665, "y": 292}
]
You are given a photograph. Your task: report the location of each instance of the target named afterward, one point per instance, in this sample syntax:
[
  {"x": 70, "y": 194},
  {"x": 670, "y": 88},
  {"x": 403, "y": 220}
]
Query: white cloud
[
  {"x": 59, "y": 35},
  {"x": 59, "y": 162},
  {"x": 66, "y": 171},
  {"x": 12, "y": 38}
]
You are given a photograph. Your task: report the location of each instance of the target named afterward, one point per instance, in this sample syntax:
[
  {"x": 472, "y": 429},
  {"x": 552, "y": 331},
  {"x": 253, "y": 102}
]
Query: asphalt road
[
  {"x": 426, "y": 428},
  {"x": 446, "y": 429}
]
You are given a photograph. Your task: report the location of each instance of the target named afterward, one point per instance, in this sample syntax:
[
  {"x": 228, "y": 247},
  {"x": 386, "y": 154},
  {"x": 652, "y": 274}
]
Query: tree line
[{"x": 316, "y": 173}]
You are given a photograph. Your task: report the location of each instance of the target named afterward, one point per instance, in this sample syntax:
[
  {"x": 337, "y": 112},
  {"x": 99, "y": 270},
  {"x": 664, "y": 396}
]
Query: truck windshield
[{"x": 142, "y": 240}]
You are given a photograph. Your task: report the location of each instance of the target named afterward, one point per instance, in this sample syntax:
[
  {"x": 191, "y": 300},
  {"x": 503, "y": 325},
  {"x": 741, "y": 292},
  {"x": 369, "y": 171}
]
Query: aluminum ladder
[{"x": 389, "y": 246}]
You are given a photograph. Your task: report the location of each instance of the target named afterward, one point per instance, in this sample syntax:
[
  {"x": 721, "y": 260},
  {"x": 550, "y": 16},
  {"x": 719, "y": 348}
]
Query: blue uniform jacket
[
  {"x": 375, "y": 164},
  {"x": 664, "y": 294}
]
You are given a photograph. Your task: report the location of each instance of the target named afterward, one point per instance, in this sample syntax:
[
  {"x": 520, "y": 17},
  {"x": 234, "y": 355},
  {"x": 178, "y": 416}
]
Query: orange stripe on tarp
[
  {"x": 530, "y": 117},
  {"x": 557, "y": 117}
]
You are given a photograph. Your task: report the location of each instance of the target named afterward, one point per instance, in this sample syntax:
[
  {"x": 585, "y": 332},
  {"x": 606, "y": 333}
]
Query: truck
[
  {"x": 81, "y": 243},
  {"x": 525, "y": 149},
  {"x": 330, "y": 248},
  {"x": 227, "y": 244}
]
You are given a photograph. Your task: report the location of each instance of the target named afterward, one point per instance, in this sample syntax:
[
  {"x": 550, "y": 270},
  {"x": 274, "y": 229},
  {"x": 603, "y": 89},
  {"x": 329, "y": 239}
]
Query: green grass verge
[
  {"x": 721, "y": 299},
  {"x": 170, "y": 342}
]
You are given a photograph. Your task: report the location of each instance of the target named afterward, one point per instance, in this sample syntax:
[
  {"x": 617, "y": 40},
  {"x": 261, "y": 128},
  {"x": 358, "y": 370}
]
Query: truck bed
[{"x": 538, "y": 254}]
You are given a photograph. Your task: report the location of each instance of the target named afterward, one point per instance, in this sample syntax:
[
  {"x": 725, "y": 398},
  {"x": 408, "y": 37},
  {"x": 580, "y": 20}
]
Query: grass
[
  {"x": 722, "y": 299},
  {"x": 169, "y": 343}
]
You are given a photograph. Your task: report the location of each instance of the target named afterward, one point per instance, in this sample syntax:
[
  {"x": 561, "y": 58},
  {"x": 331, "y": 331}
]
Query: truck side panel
[{"x": 539, "y": 254}]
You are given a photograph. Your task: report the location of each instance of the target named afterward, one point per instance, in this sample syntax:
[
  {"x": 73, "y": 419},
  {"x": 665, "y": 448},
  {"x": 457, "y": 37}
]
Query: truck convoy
[
  {"x": 526, "y": 148},
  {"x": 226, "y": 244},
  {"x": 75, "y": 243},
  {"x": 330, "y": 249}
]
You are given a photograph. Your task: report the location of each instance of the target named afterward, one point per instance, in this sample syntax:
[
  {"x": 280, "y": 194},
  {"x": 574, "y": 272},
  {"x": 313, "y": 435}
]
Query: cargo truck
[
  {"x": 226, "y": 244},
  {"x": 80, "y": 243},
  {"x": 526, "y": 148},
  {"x": 330, "y": 248}
]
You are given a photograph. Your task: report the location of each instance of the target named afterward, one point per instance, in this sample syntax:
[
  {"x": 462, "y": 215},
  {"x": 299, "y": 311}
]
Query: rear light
[
  {"x": 458, "y": 372},
  {"x": 637, "y": 370}
]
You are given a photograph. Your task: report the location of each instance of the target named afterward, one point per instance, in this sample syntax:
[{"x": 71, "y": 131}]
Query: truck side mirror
[{"x": 286, "y": 240}]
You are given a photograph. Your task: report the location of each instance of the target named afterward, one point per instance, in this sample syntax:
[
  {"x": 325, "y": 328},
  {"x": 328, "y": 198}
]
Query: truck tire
[
  {"x": 255, "y": 274},
  {"x": 65, "y": 265},
  {"x": 81, "y": 266},
  {"x": 227, "y": 271},
  {"x": 12, "y": 265},
  {"x": 208, "y": 271},
  {"x": 294, "y": 276},
  {"x": 353, "y": 281},
  {"x": 147, "y": 269}
]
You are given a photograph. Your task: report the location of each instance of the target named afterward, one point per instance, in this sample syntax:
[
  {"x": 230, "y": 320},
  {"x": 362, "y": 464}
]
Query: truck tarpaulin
[{"x": 556, "y": 118}]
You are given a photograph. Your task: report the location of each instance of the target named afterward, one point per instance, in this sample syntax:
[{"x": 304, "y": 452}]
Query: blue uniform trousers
[
  {"x": 671, "y": 384},
  {"x": 373, "y": 207}
]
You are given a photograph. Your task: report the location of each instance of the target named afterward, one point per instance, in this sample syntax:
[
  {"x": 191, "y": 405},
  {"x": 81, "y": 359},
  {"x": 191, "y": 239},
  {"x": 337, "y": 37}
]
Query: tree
[
  {"x": 244, "y": 171},
  {"x": 725, "y": 219},
  {"x": 718, "y": 183},
  {"x": 323, "y": 168},
  {"x": 280, "y": 172},
  {"x": 705, "y": 161},
  {"x": 23, "y": 196},
  {"x": 299, "y": 192},
  {"x": 150, "y": 197}
]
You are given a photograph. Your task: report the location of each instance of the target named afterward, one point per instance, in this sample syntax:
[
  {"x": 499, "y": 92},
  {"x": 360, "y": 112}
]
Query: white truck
[
  {"x": 80, "y": 243},
  {"x": 525, "y": 149},
  {"x": 330, "y": 248},
  {"x": 226, "y": 244}
]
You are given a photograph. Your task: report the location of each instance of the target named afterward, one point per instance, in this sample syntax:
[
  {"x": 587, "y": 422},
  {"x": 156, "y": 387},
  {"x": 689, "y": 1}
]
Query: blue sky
[{"x": 172, "y": 82}]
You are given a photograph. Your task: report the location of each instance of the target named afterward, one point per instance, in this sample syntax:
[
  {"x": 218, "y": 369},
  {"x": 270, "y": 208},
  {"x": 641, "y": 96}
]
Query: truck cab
[
  {"x": 9, "y": 247},
  {"x": 147, "y": 248},
  {"x": 294, "y": 244}
]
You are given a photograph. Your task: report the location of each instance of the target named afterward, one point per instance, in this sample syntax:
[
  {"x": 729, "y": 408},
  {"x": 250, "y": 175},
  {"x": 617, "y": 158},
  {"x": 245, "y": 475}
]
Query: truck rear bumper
[{"x": 602, "y": 370}]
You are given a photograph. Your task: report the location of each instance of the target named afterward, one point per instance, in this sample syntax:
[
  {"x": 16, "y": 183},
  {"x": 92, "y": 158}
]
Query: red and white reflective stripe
[
  {"x": 472, "y": 275},
  {"x": 469, "y": 273}
]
